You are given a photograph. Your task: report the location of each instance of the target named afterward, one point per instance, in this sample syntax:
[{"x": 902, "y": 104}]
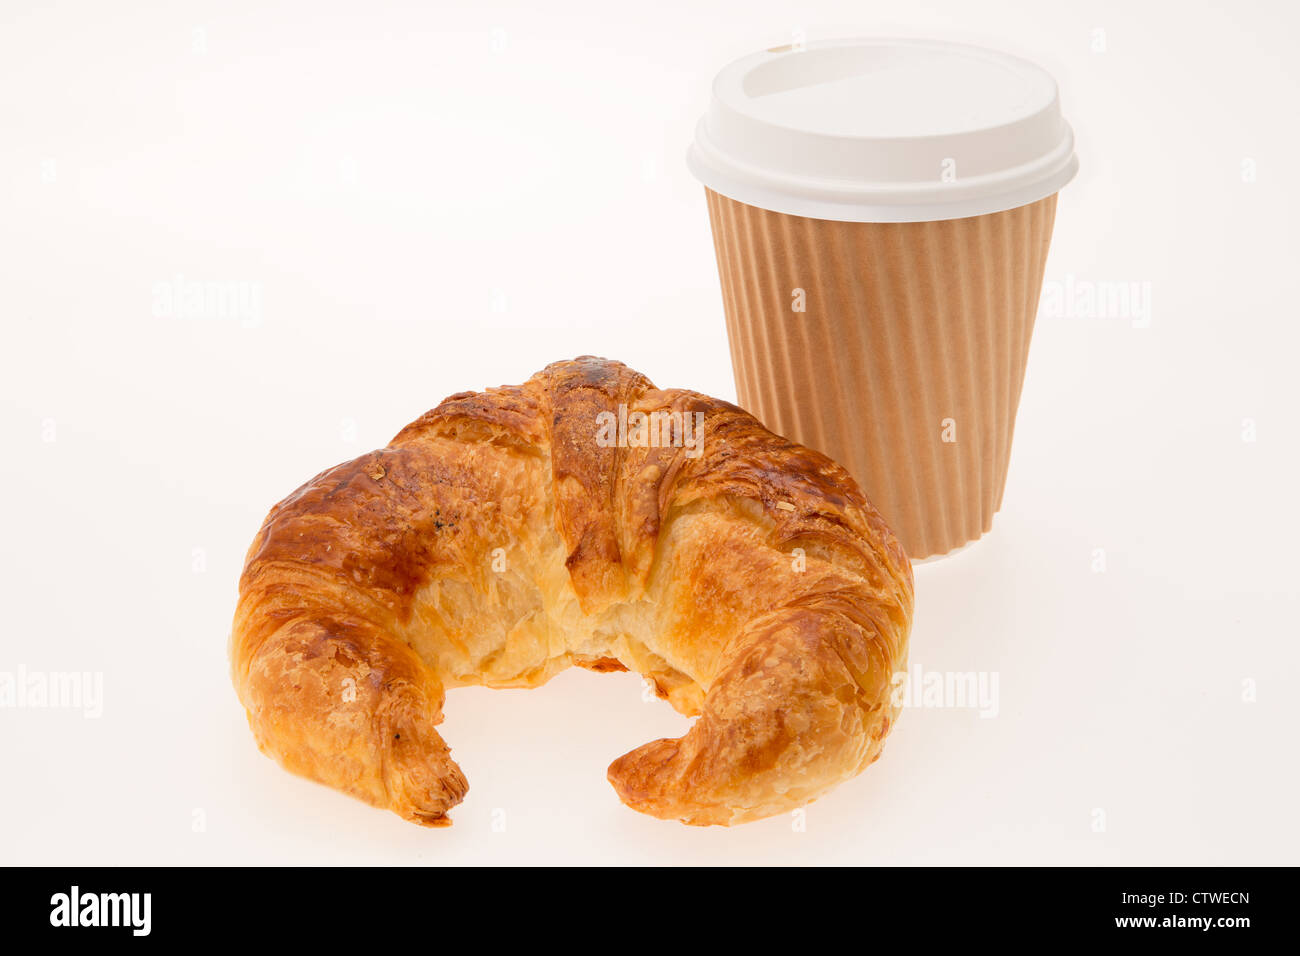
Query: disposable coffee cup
[{"x": 881, "y": 212}]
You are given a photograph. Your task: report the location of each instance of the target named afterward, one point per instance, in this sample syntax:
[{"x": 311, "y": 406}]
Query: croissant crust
[{"x": 508, "y": 534}]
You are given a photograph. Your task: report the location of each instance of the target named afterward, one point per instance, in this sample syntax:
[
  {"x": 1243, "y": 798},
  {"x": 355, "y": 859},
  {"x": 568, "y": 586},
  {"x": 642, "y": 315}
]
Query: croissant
[{"x": 584, "y": 517}]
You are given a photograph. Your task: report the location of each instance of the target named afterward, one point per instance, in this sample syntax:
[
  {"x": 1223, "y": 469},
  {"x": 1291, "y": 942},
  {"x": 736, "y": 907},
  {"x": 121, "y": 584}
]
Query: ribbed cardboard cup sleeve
[{"x": 898, "y": 349}]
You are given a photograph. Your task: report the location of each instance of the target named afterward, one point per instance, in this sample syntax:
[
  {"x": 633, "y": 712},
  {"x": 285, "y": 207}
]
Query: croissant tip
[{"x": 431, "y": 820}]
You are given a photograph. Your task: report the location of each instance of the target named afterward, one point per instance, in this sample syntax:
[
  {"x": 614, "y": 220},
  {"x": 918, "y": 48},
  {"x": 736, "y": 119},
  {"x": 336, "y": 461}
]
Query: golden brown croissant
[{"x": 510, "y": 533}]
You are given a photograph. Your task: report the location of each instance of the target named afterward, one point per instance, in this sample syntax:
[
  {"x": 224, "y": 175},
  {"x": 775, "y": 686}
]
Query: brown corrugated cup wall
[{"x": 906, "y": 363}]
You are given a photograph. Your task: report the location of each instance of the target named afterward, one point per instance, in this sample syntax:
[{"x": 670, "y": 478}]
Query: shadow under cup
[{"x": 896, "y": 348}]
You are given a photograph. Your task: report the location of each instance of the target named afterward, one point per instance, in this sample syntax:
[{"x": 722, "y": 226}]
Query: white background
[{"x": 432, "y": 198}]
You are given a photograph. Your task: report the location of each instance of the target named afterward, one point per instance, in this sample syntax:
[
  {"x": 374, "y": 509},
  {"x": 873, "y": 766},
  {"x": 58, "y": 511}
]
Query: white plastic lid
[{"x": 884, "y": 130}]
